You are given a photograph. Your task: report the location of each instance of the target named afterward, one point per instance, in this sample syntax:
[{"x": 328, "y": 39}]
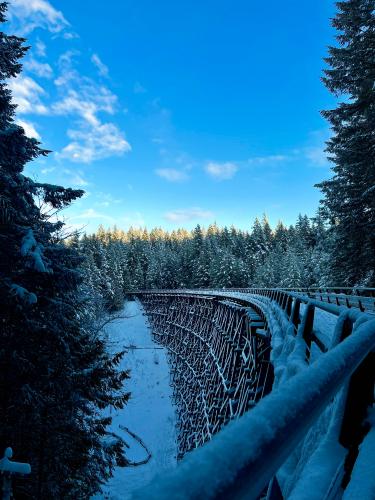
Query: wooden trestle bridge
[{"x": 223, "y": 348}]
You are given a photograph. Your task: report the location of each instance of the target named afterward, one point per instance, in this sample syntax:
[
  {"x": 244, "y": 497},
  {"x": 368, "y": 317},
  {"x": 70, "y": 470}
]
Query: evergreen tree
[
  {"x": 281, "y": 236},
  {"x": 223, "y": 270},
  {"x": 201, "y": 268},
  {"x": 349, "y": 201},
  {"x": 56, "y": 374}
]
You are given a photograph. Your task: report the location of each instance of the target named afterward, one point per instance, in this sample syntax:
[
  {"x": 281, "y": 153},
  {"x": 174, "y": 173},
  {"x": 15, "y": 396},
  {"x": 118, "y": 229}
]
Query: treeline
[{"x": 118, "y": 261}]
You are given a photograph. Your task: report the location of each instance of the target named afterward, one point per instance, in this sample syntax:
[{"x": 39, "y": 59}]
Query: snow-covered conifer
[{"x": 349, "y": 201}]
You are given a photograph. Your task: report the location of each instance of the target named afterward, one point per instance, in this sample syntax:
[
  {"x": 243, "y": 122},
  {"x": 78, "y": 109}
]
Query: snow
[
  {"x": 319, "y": 456},
  {"x": 23, "y": 294},
  {"x": 6, "y": 465},
  {"x": 28, "y": 242},
  {"x": 30, "y": 248},
  {"x": 149, "y": 414},
  {"x": 362, "y": 484},
  {"x": 324, "y": 325}
]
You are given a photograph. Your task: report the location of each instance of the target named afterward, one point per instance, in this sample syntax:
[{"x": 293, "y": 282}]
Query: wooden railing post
[
  {"x": 288, "y": 307},
  {"x": 307, "y": 327},
  {"x": 294, "y": 316}
]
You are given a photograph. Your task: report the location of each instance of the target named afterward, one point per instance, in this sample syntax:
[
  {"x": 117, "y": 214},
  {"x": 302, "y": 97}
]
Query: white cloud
[
  {"x": 69, "y": 35},
  {"x": 43, "y": 70},
  {"x": 91, "y": 213},
  {"x": 48, "y": 170},
  {"x": 29, "y": 128},
  {"x": 65, "y": 63},
  {"x": 132, "y": 220},
  {"x": 221, "y": 171},
  {"x": 260, "y": 160},
  {"x": 139, "y": 89},
  {"x": 101, "y": 67},
  {"x": 90, "y": 136},
  {"x": 188, "y": 214},
  {"x": 76, "y": 178},
  {"x": 317, "y": 156},
  {"x": 27, "y": 15},
  {"x": 106, "y": 199},
  {"x": 26, "y": 94},
  {"x": 94, "y": 143},
  {"x": 171, "y": 174},
  {"x": 40, "y": 48},
  {"x": 86, "y": 102},
  {"x": 314, "y": 151},
  {"x": 82, "y": 97}
]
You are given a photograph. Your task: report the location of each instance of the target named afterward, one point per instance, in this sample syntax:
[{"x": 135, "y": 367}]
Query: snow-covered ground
[{"x": 150, "y": 413}]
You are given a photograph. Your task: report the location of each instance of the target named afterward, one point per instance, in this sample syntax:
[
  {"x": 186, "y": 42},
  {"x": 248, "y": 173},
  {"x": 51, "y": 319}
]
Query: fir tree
[{"x": 349, "y": 201}]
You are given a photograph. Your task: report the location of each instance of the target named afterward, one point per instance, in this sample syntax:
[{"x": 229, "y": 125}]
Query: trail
[{"x": 149, "y": 415}]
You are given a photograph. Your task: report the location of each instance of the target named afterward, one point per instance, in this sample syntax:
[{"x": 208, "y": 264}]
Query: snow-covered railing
[
  {"x": 360, "y": 297},
  {"x": 241, "y": 459},
  {"x": 359, "y": 291}
]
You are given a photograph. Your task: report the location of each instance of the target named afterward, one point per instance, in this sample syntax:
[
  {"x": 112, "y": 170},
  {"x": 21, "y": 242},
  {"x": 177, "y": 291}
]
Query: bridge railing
[
  {"x": 360, "y": 291},
  {"x": 360, "y": 297}
]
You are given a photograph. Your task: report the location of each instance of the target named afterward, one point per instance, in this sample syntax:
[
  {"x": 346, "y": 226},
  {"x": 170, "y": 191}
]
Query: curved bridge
[{"x": 230, "y": 348}]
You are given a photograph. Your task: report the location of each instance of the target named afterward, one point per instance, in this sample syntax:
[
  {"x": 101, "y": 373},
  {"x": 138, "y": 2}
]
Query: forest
[
  {"x": 118, "y": 262},
  {"x": 57, "y": 286}
]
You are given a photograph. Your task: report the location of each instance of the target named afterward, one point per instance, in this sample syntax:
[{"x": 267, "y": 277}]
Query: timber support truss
[{"x": 219, "y": 356}]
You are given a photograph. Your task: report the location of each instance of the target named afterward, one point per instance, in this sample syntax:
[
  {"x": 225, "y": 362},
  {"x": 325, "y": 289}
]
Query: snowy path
[{"x": 149, "y": 413}]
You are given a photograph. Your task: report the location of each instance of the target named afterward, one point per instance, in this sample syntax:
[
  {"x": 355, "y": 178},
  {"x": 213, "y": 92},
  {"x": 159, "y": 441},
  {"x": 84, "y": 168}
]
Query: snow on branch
[
  {"x": 30, "y": 248},
  {"x": 23, "y": 294}
]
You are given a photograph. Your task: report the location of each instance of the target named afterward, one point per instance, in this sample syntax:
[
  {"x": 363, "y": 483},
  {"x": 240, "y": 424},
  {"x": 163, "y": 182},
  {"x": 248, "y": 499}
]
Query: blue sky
[{"x": 177, "y": 113}]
